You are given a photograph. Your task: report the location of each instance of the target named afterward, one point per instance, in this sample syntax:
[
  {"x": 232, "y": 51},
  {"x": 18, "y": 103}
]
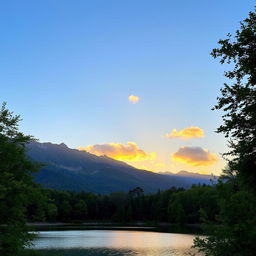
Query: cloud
[
  {"x": 195, "y": 156},
  {"x": 129, "y": 152},
  {"x": 187, "y": 133},
  {"x": 134, "y": 99}
]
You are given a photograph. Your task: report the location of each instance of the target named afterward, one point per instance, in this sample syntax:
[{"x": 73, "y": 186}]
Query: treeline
[{"x": 175, "y": 205}]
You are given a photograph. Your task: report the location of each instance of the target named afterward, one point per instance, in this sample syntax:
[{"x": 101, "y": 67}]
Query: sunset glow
[
  {"x": 130, "y": 152},
  {"x": 194, "y": 156},
  {"x": 115, "y": 73},
  {"x": 187, "y": 133}
]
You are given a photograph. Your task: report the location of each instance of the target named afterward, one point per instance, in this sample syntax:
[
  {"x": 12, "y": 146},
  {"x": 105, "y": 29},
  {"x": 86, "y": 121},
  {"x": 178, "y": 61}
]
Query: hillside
[{"x": 71, "y": 169}]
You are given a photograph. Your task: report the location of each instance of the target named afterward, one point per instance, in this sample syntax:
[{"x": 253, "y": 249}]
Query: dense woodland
[{"x": 175, "y": 205}]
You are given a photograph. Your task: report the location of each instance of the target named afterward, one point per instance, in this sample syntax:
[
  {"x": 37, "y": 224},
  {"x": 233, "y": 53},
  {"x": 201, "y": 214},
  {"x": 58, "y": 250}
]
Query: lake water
[{"x": 113, "y": 242}]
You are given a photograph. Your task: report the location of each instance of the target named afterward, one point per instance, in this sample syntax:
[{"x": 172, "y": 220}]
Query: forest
[{"x": 175, "y": 205}]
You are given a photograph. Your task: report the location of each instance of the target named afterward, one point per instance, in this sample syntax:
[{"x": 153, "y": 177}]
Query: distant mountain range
[{"x": 71, "y": 169}]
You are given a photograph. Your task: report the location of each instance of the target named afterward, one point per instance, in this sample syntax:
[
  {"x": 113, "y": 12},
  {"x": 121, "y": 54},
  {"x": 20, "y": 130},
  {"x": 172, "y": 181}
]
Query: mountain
[
  {"x": 71, "y": 169},
  {"x": 193, "y": 178}
]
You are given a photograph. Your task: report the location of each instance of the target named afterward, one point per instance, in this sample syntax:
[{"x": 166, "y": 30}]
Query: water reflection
[{"x": 113, "y": 242}]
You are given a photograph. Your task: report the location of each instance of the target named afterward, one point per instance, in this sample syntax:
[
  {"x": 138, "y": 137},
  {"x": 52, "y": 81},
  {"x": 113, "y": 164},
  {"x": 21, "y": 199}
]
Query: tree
[
  {"x": 65, "y": 210},
  {"x": 51, "y": 211},
  {"x": 237, "y": 233},
  {"x": 80, "y": 210},
  {"x": 175, "y": 209},
  {"x": 136, "y": 192},
  {"x": 16, "y": 184},
  {"x": 239, "y": 99},
  {"x": 36, "y": 209}
]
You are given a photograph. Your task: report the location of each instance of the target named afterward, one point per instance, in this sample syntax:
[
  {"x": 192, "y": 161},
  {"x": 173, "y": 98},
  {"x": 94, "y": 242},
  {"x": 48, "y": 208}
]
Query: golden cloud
[
  {"x": 133, "y": 98},
  {"x": 195, "y": 156},
  {"x": 187, "y": 133},
  {"x": 130, "y": 152}
]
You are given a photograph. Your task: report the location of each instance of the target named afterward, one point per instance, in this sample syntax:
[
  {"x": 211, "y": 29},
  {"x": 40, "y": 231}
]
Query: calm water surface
[{"x": 113, "y": 242}]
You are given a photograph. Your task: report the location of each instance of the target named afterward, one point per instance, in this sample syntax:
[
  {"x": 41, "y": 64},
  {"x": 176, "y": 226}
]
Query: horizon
[{"x": 133, "y": 81}]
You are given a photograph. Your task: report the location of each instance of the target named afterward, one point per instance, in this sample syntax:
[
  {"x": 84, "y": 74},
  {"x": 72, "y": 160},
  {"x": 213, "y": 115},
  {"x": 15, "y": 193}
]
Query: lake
[{"x": 113, "y": 242}]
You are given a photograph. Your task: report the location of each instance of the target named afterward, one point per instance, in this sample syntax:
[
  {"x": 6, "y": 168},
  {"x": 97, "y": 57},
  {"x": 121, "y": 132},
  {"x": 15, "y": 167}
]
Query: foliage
[
  {"x": 67, "y": 206},
  {"x": 190, "y": 206},
  {"x": 239, "y": 99},
  {"x": 16, "y": 184},
  {"x": 236, "y": 234}
]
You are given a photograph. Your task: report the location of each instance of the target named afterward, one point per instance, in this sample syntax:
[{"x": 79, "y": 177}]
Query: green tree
[
  {"x": 37, "y": 205},
  {"x": 136, "y": 192},
  {"x": 51, "y": 211},
  {"x": 238, "y": 100},
  {"x": 64, "y": 210},
  {"x": 80, "y": 210},
  {"x": 16, "y": 184},
  {"x": 237, "y": 195},
  {"x": 175, "y": 209},
  {"x": 237, "y": 233}
]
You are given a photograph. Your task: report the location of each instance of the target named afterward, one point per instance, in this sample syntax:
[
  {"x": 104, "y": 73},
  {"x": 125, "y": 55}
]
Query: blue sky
[{"x": 68, "y": 68}]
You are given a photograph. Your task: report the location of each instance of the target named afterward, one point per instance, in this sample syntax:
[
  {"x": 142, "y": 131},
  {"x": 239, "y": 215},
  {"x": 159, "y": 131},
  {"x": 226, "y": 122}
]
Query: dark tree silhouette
[
  {"x": 16, "y": 184},
  {"x": 237, "y": 195}
]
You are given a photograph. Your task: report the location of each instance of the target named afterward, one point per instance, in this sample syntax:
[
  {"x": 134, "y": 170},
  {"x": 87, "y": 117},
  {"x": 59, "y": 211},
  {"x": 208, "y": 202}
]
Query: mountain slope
[
  {"x": 71, "y": 169},
  {"x": 193, "y": 178}
]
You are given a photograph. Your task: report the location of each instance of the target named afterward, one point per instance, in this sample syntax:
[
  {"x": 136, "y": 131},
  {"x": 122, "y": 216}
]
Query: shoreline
[{"x": 139, "y": 226}]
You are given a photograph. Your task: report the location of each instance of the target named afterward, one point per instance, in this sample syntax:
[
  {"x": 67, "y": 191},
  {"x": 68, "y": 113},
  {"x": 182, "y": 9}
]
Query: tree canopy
[
  {"x": 238, "y": 99},
  {"x": 236, "y": 197}
]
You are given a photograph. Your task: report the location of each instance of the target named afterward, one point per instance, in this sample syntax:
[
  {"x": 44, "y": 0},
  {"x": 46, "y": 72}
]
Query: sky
[{"x": 130, "y": 79}]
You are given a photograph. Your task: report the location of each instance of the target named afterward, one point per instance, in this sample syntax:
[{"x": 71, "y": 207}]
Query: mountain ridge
[{"x": 70, "y": 169}]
